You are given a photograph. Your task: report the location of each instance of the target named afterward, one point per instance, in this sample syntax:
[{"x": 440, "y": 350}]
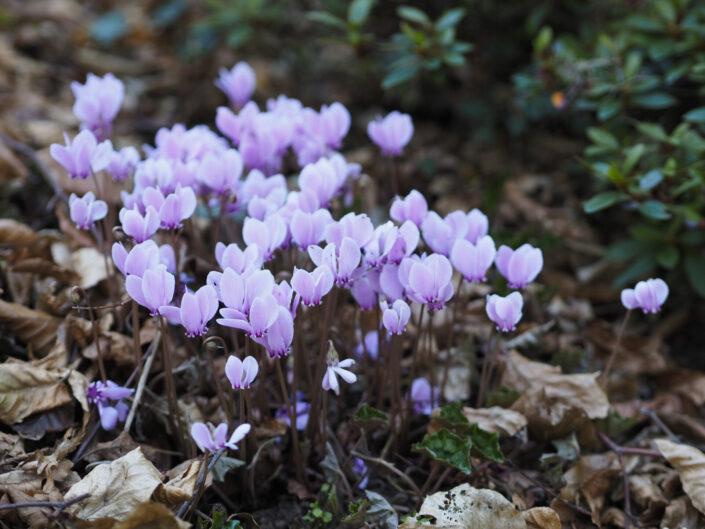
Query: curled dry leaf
[
  {"x": 181, "y": 484},
  {"x": 503, "y": 421},
  {"x": 465, "y": 507},
  {"x": 34, "y": 327},
  {"x": 690, "y": 464},
  {"x": 592, "y": 478},
  {"x": 542, "y": 518},
  {"x": 117, "y": 488},
  {"x": 90, "y": 265},
  {"x": 689, "y": 384}
]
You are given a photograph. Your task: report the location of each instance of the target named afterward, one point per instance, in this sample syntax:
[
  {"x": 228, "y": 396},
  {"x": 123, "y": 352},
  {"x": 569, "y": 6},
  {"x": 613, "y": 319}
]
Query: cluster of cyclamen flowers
[{"x": 385, "y": 266}]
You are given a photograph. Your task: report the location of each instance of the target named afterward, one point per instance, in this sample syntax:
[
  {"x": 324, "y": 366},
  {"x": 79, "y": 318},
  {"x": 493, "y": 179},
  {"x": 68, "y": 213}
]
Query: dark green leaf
[
  {"x": 615, "y": 425},
  {"x": 224, "y": 465},
  {"x": 323, "y": 17},
  {"x": 359, "y": 10},
  {"x": 627, "y": 250},
  {"x": 608, "y": 109},
  {"x": 238, "y": 36},
  {"x": 654, "y": 100},
  {"x": 486, "y": 443},
  {"x": 668, "y": 257},
  {"x": 413, "y": 14},
  {"x": 697, "y": 115},
  {"x": 650, "y": 180},
  {"x": 654, "y": 209},
  {"x": 602, "y": 137},
  {"x": 368, "y": 414},
  {"x": 109, "y": 28},
  {"x": 695, "y": 270},
  {"x": 632, "y": 64},
  {"x": 169, "y": 12},
  {"x": 446, "y": 447},
  {"x": 634, "y": 154},
  {"x": 449, "y": 19},
  {"x": 503, "y": 397},
  {"x": 652, "y": 130},
  {"x": 453, "y": 414},
  {"x": 641, "y": 267},
  {"x": 603, "y": 200},
  {"x": 399, "y": 75},
  {"x": 381, "y": 511}
]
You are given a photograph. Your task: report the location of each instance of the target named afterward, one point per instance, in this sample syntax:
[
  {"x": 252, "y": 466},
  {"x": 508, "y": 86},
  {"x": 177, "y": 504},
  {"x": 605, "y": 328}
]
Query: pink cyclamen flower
[
  {"x": 334, "y": 124},
  {"x": 308, "y": 228},
  {"x": 312, "y": 286},
  {"x": 196, "y": 310},
  {"x": 473, "y": 260},
  {"x": 174, "y": 208},
  {"x": 139, "y": 227},
  {"x": 302, "y": 412},
  {"x": 424, "y": 396},
  {"x": 102, "y": 395},
  {"x": 141, "y": 257},
  {"x": 208, "y": 438},
  {"x": 86, "y": 210},
  {"x": 396, "y": 317},
  {"x": 647, "y": 295},
  {"x": 505, "y": 311},
  {"x": 412, "y": 207},
  {"x": 237, "y": 83},
  {"x": 335, "y": 367},
  {"x": 98, "y": 102},
  {"x": 241, "y": 373},
  {"x": 430, "y": 281},
  {"x": 262, "y": 315},
  {"x": 153, "y": 290},
  {"x": 392, "y": 133},
  {"x": 268, "y": 234},
  {"x": 277, "y": 340},
  {"x": 521, "y": 266},
  {"x": 123, "y": 162},
  {"x": 221, "y": 172},
  {"x": 83, "y": 155},
  {"x": 343, "y": 264}
]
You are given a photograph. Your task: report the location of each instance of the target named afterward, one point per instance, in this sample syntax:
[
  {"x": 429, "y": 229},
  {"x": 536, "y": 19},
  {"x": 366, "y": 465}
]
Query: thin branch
[
  {"x": 393, "y": 469},
  {"x": 151, "y": 353},
  {"x": 59, "y": 505}
]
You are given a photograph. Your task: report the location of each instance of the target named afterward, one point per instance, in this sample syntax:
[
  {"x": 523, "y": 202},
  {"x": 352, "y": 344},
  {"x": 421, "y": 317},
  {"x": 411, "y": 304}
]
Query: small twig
[
  {"x": 658, "y": 422},
  {"x": 393, "y": 469},
  {"x": 151, "y": 353},
  {"x": 59, "y": 505},
  {"x": 205, "y": 468},
  {"x": 619, "y": 452},
  {"x": 615, "y": 349}
]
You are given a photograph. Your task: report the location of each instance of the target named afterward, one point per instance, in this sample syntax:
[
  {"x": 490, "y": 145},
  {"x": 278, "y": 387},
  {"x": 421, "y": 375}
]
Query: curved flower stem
[
  {"x": 170, "y": 387},
  {"x": 451, "y": 336},
  {"x": 216, "y": 379},
  {"x": 292, "y": 422},
  {"x": 96, "y": 337},
  {"x": 136, "y": 347},
  {"x": 484, "y": 376},
  {"x": 615, "y": 348}
]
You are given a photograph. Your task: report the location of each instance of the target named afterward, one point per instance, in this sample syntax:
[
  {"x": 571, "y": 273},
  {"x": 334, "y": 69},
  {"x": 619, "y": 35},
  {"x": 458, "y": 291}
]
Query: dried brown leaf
[
  {"x": 116, "y": 488},
  {"x": 33, "y": 327},
  {"x": 503, "y": 421},
  {"x": 13, "y": 233},
  {"x": 46, "y": 268},
  {"x": 147, "y": 515},
  {"x": 542, "y": 518},
  {"x": 592, "y": 478},
  {"x": 680, "y": 513},
  {"x": 90, "y": 265},
  {"x": 690, "y": 464},
  {"x": 26, "y": 389},
  {"x": 465, "y": 507},
  {"x": 689, "y": 384},
  {"x": 181, "y": 484}
]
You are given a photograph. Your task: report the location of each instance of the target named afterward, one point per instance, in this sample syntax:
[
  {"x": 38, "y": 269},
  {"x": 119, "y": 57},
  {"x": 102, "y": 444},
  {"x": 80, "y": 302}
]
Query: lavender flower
[
  {"x": 86, "y": 210},
  {"x": 360, "y": 468},
  {"x": 108, "y": 398},
  {"x": 241, "y": 373},
  {"x": 342, "y": 265},
  {"x": 430, "y": 281},
  {"x": 312, "y": 286},
  {"x": 196, "y": 310},
  {"x": 336, "y": 367},
  {"x": 647, "y": 295},
  {"x": 268, "y": 234},
  {"x": 412, "y": 207},
  {"x": 141, "y": 257},
  {"x": 237, "y": 83},
  {"x": 98, "y": 102},
  {"x": 208, "y": 438},
  {"x": 521, "y": 266},
  {"x": 392, "y": 133},
  {"x": 82, "y": 155},
  {"x": 123, "y": 162},
  {"x": 221, "y": 172},
  {"x": 308, "y": 228},
  {"x": 473, "y": 260},
  {"x": 395, "y": 317},
  {"x": 153, "y": 290},
  {"x": 139, "y": 227},
  {"x": 174, "y": 208},
  {"x": 424, "y": 397},
  {"x": 277, "y": 340},
  {"x": 302, "y": 411},
  {"x": 505, "y": 311}
]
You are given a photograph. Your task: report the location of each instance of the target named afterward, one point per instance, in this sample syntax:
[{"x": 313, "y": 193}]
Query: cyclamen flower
[
  {"x": 173, "y": 208},
  {"x": 392, "y": 133},
  {"x": 424, "y": 396},
  {"x": 312, "y": 286},
  {"x": 139, "y": 227},
  {"x": 101, "y": 395},
  {"x": 342, "y": 265},
  {"x": 505, "y": 311},
  {"x": 123, "y": 162},
  {"x": 647, "y": 295},
  {"x": 231, "y": 256},
  {"x": 241, "y": 373},
  {"x": 153, "y": 290},
  {"x": 262, "y": 315},
  {"x": 82, "y": 155},
  {"x": 238, "y": 291},
  {"x": 221, "y": 172},
  {"x": 412, "y": 207},
  {"x": 208, "y": 438},
  {"x": 334, "y": 123},
  {"x": 98, "y": 102},
  {"x": 430, "y": 281},
  {"x": 360, "y": 468},
  {"x": 308, "y": 228},
  {"x": 302, "y": 411},
  {"x": 368, "y": 346},
  {"x": 141, "y": 257},
  {"x": 335, "y": 367},
  {"x": 196, "y": 310},
  {"x": 237, "y": 83},
  {"x": 86, "y": 210},
  {"x": 441, "y": 233},
  {"x": 395, "y": 317},
  {"x": 473, "y": 260},
  {"x": 268, "y": 234},
  {"x": 521, "y": 266},
  {"x": 277, "y": 340}
]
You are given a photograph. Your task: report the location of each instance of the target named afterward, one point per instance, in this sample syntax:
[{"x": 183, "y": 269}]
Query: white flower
[{"x": 338, "y": 368}]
